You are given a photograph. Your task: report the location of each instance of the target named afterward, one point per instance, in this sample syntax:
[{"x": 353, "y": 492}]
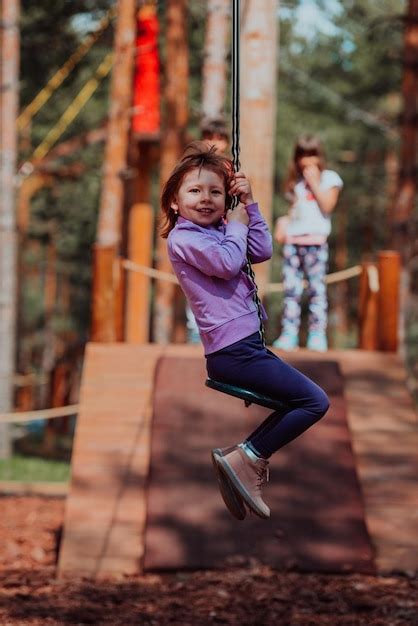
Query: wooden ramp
[
  {"x": 105, "y": 524},
  {"x": 317, "y": 518}
]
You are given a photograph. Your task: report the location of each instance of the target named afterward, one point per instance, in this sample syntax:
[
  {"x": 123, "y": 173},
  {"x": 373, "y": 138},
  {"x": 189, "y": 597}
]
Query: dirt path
[{"x": 247, "y": 593}]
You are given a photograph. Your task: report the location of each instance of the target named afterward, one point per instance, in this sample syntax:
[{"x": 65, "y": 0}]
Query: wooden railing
[{"x": 379, "y": 297}]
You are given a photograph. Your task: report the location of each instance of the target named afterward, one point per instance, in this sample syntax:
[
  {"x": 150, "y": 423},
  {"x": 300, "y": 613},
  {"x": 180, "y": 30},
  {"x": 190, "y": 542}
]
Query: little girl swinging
[
  {"x": 215, "y": 231},
  {"x": 208, "y": 244}
]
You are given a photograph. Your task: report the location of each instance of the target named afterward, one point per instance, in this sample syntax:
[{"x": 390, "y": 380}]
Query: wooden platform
[
  {"x": 106, "y": 509},
  {"x": 312, "y": 527}
]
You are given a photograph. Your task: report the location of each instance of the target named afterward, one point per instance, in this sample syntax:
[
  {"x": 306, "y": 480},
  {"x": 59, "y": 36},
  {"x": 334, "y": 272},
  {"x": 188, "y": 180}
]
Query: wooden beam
[
  {"x": 389, "y": 263},
  {"x": 106, "y": 271},
  {"x": 368, "y": 307},
  {"x": 115, "y": 160},
  {"x": 138, "y": 285},
  {"x": 173, "y": 136},
  {"x": 258, "y": 105}
]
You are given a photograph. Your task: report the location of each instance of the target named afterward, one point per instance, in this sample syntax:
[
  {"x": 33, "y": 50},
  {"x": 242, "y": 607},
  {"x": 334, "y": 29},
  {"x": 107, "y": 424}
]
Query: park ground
[{"x": 246, "y": 592}]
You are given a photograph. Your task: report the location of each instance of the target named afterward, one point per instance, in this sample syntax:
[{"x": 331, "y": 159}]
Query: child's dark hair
[
  {"x": 214, "y": 126},
  {"x": 197, "y": 155},
  {"x": 306, "y": 145}
]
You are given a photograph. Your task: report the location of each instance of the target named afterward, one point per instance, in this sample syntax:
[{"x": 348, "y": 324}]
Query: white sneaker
[
  {"x": 287, "y": 341},
  {"x": 317, "y": 341}
]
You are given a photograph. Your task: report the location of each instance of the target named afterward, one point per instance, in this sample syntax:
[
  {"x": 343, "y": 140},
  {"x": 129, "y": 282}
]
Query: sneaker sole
[
  {"x": 295, "y": 349},
  {"x": 229, "y": 473},
  {"x": 232, "y": 500}
]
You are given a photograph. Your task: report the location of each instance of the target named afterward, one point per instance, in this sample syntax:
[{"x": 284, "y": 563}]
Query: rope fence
[
  {"x": 41, "y": 414},
  {"x": 330, "y": 279},
  {"x": 46, "y": 414},
  {"x": 334, "y": 277},
  {"x": 149, "y": 271}
]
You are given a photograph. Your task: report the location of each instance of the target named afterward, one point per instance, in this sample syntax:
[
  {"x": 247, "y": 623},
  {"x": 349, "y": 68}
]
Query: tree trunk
[
  {"x": 8, "y": 236},
  {"x": 111, "y": 206},
  {"x": 172, "y": 144},
  {"x": 258, "y": 104},
  {"x": 110, "y": 223},
  {"x": 214, "y": 64},
  {"x": 407, "y": 186}
]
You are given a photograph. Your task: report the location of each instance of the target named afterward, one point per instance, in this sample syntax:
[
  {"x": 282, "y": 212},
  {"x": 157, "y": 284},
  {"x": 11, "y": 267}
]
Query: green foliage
[
  {"x": 34, "y": 469},
  {"x": 66, "y": 213},
  {"x": 345, "y": 86}
]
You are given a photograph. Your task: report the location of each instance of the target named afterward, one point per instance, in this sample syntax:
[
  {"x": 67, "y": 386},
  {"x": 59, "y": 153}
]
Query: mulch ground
[{"x": 246, "y": 593}]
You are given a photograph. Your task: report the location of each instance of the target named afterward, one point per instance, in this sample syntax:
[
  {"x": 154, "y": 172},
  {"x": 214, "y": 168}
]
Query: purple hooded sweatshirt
[{"x": 209, "y": 262}]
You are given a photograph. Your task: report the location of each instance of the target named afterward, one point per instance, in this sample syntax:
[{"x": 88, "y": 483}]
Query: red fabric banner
[{"x": 146, "y": 101}]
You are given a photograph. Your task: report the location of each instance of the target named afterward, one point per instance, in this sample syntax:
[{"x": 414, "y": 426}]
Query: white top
[{"x": 306, "y": 217}]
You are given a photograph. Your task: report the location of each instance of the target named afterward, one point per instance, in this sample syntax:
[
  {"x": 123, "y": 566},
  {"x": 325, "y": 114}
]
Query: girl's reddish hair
[{"x": 197, "y": 155}]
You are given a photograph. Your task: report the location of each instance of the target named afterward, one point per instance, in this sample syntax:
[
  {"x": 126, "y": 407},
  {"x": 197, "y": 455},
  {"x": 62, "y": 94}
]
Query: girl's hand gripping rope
[{"x": 240, "y": 186}]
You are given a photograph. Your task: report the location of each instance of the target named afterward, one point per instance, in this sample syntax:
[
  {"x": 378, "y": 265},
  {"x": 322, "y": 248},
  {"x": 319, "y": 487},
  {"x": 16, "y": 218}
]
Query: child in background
[
  {"x": 314, "y": 191},
  {"x": 208, "y": 246},
  {"x": 213, "y": 132}
]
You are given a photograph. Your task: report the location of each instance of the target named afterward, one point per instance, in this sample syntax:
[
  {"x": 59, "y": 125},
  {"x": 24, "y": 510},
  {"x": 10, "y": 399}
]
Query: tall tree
[
  {"x": 64, "y": 213},
  {"x": 110, "y": 220},
  {"x": 259, "y": 63},
  {"x": 214, "y": 63},
  {"x": 407, "y": 186},
  {"x": 110, "y": 212},
  {"x": 173, "y": 138},
  {"x": 8, "y": 236}
]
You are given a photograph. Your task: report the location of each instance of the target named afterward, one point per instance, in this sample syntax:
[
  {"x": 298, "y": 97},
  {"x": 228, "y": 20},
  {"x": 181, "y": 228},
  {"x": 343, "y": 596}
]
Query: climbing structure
[{"x": 343, "y": 496}]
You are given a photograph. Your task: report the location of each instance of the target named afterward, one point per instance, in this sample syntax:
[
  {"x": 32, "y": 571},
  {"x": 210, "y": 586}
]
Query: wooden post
[
  {"x": 389, "y": 263},
  {"x": 103, "y": 327},
  {"x": 143, "y": 156},
  {"x": 341, "y": 289},
  {"x": 138, "y": 291},
  {"x": 24, "y": 398},
  {"x": 172, "y": 144},
  {"x": 58, "y": 387},
  {"x": 119, "y": 283},
  {"x": 368, "y": 307},
  {"x": 258, "y": 105},
  {"x": 28, "y": 188},
  {"x": 180, "y": 321},
  {"x": 50, "y": 283}
]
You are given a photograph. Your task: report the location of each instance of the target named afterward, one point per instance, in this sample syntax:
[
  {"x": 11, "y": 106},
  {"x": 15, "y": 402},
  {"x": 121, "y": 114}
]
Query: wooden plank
[
  {"x": 139, "y": 286},
  {"x": 312, "y": 527},
  {"x": 111, "y": 453},
  {"x": 384, "y": 430},
  {"x": 383, "y": 422},
  {"x": 105, "y": 512}
]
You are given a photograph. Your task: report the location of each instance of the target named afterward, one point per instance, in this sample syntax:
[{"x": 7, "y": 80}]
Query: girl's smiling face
[{"x": 201, "y": 197}]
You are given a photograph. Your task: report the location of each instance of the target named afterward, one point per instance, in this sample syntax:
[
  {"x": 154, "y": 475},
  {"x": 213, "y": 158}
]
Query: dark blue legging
[{"x": 249, "y": 364}]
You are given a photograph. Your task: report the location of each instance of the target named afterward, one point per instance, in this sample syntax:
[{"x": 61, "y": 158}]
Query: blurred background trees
[{"x": 339, "y": 75}]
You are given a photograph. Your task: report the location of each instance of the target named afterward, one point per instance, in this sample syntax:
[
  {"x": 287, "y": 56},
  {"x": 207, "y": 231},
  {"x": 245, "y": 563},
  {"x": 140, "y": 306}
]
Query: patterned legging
[{"x": 300, "y": 262}]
